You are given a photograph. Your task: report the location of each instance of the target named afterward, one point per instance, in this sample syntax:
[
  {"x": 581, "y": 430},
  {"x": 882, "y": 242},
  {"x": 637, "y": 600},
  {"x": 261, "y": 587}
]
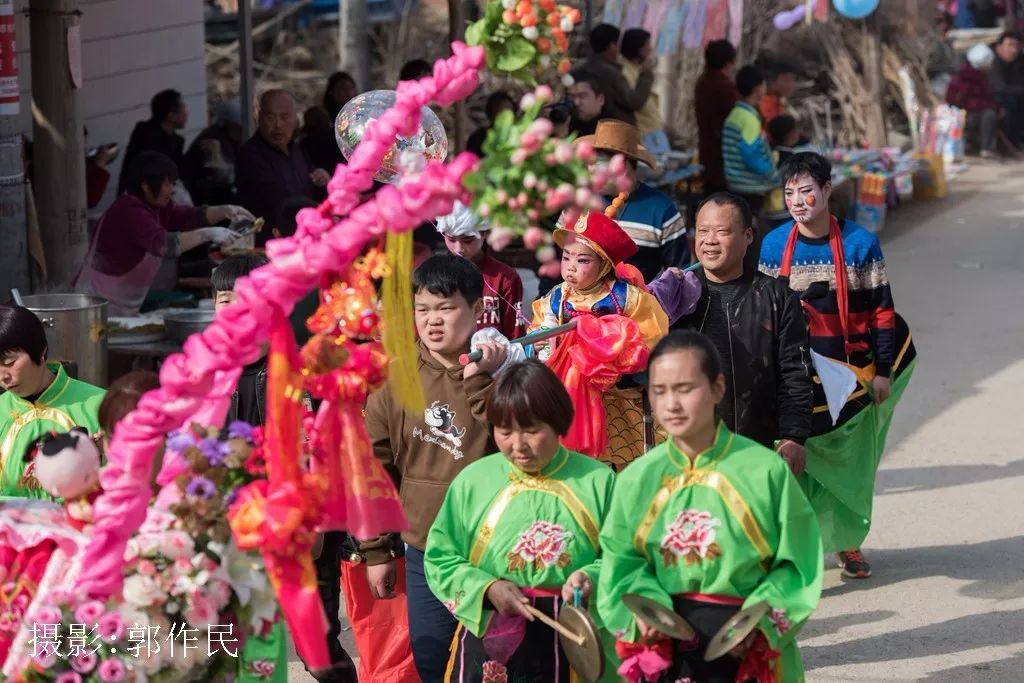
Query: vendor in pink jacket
[{"x": 141, "y": 228}]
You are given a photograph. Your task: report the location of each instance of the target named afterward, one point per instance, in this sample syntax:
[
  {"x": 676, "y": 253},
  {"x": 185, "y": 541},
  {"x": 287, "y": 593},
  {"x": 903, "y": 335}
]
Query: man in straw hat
[{"x": 648, "y": 216}]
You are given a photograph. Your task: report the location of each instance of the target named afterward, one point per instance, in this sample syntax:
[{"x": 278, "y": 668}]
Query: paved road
[
  {"x": 947, "y": 599},
  {"x": 946, "y": 602}
]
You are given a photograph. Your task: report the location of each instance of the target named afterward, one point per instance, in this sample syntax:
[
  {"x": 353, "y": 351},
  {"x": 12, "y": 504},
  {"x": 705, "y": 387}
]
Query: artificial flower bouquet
[
  {"x": 524, "y": 38},
  {"x": 527, "y": 176},
  {"x": 190, "y": 597}
]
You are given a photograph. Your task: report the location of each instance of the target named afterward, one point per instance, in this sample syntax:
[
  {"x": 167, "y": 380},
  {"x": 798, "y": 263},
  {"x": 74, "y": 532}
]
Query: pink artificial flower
[
  {"x": 68, "y": 677},
  {"x": 146, "y": 567},
  {"x": 45, "y": 659},
  {"x": 533, "y": 214},
  {"x": 623, "y": 183},
  {"x": 563, "y": 152},
  {"x": 529, "y": 141},
  {"x": 499, "y": 238},
  {"x": 484, "y": 211},
  {"x": 84, "y": 662},
  {"x": 583, "y": 196},
  {"x": 528, "y": 101},
  {"x": 617, "y": 166},
  {"x": 111, "y": 626},
  {"x": 47, "y": 614},
  {"x": 221, "y": 591},
  {"x": 541, "y": 128},
  {"x": 544, "y": 93},
  {"x": 529, "y": 181},
  {"x": 201, "y": 611},
  {"x": 519, "y": 157},
  {"x": 501, "y": 196},
  {"x": 113, "y": 670},
  {"x": 585, "y": 151},
  {"x": 533, "y": 238},
  {"x": 89, "y": 613}
]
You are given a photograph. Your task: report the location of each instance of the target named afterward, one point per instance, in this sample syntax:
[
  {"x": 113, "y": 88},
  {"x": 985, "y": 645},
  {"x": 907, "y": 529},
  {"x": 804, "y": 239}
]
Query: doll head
[{"x": 66, "y": 465}]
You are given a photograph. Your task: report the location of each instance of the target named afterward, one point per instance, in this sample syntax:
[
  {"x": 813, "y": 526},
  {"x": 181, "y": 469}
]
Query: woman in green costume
[
  {"x": 38, "y": 397},
  {"x": 518, "y": 528},
  {"x": 705, "y": 524}
]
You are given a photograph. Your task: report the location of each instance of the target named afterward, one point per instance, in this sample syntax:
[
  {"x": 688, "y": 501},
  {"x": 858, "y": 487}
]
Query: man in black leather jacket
[{"x": 759, "y": 329}]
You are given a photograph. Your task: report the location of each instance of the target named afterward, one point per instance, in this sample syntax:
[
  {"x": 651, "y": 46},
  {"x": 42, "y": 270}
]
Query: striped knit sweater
[
  {"x": 749, "y": 163},
  {"x": 872, "y": 318}
]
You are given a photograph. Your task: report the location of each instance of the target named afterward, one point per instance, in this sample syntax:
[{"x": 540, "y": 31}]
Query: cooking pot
[
  {"x": 182, "y": 325},
  {"x": 76, "y": 331}
]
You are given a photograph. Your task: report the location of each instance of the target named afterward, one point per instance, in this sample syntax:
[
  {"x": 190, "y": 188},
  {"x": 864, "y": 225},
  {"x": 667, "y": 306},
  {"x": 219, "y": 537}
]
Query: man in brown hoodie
[{"x": 425, "y": 451}]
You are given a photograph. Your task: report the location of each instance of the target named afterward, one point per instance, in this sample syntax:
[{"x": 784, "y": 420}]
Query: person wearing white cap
[
  {"x": 463, "y": 230},
  {"x": 971, "y": 90}
]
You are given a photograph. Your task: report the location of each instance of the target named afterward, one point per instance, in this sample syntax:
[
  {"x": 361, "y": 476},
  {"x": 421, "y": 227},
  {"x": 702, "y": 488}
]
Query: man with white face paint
[{"x": 852, "y": 325}]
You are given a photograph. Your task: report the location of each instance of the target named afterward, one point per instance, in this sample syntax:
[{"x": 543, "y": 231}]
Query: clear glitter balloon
[{"x": 407, "y": 155}]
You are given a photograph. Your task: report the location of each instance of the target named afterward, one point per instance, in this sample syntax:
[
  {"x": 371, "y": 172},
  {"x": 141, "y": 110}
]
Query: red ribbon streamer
[{"x": 590, "y": 360}]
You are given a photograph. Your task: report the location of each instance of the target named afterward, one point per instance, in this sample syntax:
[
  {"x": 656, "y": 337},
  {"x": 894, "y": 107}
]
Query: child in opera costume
[
  {"x": 706, "y": 523},
  {"x": 518, "y": 528},
  {"x": 619, "y": 321}
]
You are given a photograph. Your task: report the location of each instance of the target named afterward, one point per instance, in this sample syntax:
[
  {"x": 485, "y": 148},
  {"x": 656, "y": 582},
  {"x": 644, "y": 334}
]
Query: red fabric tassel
[
  {"x": 757, "y": 665},
  {"x": 590, "y": 360},
  {"x": 643, "y": 661}
]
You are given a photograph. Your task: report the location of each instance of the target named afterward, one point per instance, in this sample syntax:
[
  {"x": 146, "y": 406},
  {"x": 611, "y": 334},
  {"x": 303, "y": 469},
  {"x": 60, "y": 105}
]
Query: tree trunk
[
  {"x": 874, "y": 84},
  {"x": 58, "y": 148},
  {"x": 457, "y": 31},
  {"x": 354, "y": 41},
  {"x": 14, "y": 259}
]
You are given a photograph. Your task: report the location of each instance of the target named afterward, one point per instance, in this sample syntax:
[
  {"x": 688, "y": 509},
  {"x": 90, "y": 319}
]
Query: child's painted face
[
  {"x": 683, "y": 399},
  {"x": 467, "y": 247},
  {"x": 581, "y": 265},
  {"x": 223, "y": 299},
  {"x": 805, "y": 199},
  {"x": 445, "y": 323}
]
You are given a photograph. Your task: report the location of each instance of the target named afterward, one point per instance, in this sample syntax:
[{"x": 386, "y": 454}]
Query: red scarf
[{"x": 835, "y": 241}]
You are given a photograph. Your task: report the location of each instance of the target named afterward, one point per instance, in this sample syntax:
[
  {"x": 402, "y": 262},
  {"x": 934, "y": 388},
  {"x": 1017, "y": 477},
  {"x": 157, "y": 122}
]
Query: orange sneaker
[{"x": 854, "y": 565}]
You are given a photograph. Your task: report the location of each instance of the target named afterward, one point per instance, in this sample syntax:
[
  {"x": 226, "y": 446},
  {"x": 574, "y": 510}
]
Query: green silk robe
[
  {"x": 498, "y": 522},
  {"x": 66, "y": 403},
  {"x": 735, "y": 523}
]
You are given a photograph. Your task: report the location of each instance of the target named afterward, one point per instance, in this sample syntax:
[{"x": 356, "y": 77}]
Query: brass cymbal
[
  {"x": 585, "y": 655},
  {"x": 735, "y": 630},
  {"x": 658, "y": 617}
]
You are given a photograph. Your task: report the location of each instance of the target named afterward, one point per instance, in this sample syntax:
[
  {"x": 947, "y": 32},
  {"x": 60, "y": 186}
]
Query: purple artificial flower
[
  {"x": 215, "y": 451},
  {"x": 179, "y": 442},
  {"x": 231, "y": 497},
  {"x": 200, "y": 487},
  {"x": 240, "y": 430}
]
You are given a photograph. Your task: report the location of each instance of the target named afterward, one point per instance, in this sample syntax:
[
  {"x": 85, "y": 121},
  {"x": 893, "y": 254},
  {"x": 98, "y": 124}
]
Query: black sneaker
[{"x": 854, "y": 565}]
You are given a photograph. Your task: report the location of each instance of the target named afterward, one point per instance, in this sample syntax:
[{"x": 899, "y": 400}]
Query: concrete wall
[{"x": 131, "y": 49}]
